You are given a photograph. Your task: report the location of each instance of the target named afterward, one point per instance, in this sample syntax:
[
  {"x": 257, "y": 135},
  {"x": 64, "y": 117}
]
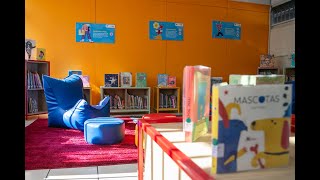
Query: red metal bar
[{"x": 183, "y": 161}]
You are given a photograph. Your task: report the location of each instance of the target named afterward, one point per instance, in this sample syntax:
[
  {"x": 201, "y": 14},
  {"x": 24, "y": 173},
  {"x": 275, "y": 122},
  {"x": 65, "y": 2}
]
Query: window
[{"x": 283, "y": 12}]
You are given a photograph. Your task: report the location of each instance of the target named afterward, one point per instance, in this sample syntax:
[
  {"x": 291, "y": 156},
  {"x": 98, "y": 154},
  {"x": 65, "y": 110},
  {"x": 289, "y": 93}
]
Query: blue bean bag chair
[
  {"x": 66, "y": 106},
  {"x": 82, "y": 111}
]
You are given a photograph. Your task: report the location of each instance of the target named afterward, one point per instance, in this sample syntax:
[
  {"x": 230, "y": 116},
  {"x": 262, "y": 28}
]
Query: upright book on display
[
  {"x": 141, "y": 79},
  {"x": 196, "y": 98},
  {"x": 250, "y": 127}
]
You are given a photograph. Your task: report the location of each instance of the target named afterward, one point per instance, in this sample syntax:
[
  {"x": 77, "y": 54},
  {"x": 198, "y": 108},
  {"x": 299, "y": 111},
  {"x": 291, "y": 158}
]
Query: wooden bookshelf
[
  {"x": 35, "y": 101},
  {"x": 87, "y": 94},
  {"x": 123, "y": 93},
  {"x": 169, "y": 91}
]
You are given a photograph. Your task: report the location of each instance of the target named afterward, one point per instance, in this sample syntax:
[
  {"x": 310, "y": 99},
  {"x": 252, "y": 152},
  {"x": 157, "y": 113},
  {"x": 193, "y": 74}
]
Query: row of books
[
  {"x": 32, "y": 105},
  {"x": 167, "y": 101},
  {"x": 165, "y": 80},
  {"x": 33, "y": 80},
  {"x": 133, "y": 102},
  {"x": 137, "y": 102},
  {"x": 124, "y": 79}
]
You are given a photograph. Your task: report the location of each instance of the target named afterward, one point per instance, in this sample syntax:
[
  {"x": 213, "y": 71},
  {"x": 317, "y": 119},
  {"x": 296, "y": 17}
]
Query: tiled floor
[{"x": 114, "y": 172}]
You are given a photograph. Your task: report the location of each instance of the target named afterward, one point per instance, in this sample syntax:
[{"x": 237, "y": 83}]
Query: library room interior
[{"x": 159, "y": 89}]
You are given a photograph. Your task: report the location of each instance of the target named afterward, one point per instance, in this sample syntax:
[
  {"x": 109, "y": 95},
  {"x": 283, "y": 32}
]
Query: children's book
[
  {"x": 267, "y": 60},
  {"x": 126, "y": 79},
  {"x": 85, "y": 80},
  {"x": 172, "y": 81},
  {"x": 30, "y": 49},
  {"x": 196, "y": 97},
  {"x": 41, "y": 54},
  {"x": 250, "y": 127},
  {"x": 141, "y": 79},
  {"x": 70, "y": 72},
  {"x": 162, "y": 80},
  {"x": 237, "y": 79},
  {"x": 111, "y": 80}
]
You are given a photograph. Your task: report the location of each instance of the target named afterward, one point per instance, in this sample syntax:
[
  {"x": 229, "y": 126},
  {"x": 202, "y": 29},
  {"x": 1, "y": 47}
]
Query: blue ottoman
[{"x": 104, "y": 130}]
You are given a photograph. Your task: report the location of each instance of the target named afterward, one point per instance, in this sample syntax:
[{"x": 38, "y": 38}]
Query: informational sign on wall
[
  {"x": 226, "y": 30},
  {"x": 165, "y": 31},
  {"x": 95, "y": 33}
]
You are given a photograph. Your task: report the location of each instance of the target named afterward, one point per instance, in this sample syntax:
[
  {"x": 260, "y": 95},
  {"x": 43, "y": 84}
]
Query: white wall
[{"x": 282, "y": 42}]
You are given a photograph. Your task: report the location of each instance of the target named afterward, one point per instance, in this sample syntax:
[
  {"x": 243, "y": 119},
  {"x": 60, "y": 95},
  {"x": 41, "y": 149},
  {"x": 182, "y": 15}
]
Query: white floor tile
[
  {"x": 28, "y": 122},
  {"x": 36, "y": 174},
  {"x": 73, "y": 173},
  {"x": 122, "y": 168}
]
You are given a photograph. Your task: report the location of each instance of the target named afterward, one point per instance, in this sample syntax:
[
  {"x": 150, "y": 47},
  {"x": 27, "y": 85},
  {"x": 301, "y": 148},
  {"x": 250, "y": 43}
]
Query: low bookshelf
[
  {"x": 163, "y": 98},
  {"x": 35, "y": 101},
  {"x": 127, "y": 100}
]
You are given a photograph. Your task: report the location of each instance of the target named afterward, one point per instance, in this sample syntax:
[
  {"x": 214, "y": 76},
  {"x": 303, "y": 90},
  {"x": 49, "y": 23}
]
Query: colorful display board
[
  {"x": 165, "y": 31},
  {"x": 95, "y": 33},
  {"x": 226, "y": 30}
]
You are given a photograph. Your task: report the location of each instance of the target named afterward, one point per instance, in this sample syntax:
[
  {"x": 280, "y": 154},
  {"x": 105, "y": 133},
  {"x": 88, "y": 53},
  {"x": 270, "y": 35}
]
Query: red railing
[{"x": 183, "y": 161}]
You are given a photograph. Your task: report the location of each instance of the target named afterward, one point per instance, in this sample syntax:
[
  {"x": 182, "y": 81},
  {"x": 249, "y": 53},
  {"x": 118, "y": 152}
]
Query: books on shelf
[
  {"x": 30, "y": 51},
  {"x": 267, "y": 61},
  {"x": 126, "y": 79},
  {"x": 33, "y": 80},
  {"x": 41, "y": 54},
  {"x": 85, "y": 80},
  {"x": 250, "y": 127},
  {"x": 167, "y": 101},
  {"x": 141, "y": 79},
  {"x": 32, "y": 105},
  {"x": 70, "y": 72},
  {"x": 196, "y": 97},
  {"x": 136, "y": 102},
  {"x": 162, "y": 80},
  {"x": 172, "y": 81},
  {"x": 111, "y": 80}
]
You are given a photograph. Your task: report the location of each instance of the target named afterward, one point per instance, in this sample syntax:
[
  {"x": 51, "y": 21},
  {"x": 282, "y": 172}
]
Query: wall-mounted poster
[
  {"x": 165, "y": 31},
  {"x": 226, "y": 30},
  {"x": 95, "y": 33}
]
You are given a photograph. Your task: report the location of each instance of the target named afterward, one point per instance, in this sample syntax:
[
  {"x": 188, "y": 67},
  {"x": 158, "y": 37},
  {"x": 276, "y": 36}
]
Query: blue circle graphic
[{"x": 262, "y": 99}]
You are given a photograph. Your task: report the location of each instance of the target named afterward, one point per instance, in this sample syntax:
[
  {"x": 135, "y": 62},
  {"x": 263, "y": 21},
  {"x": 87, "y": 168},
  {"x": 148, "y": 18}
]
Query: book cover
[
  {"x": 85, "y": 80},
  {"x": 250, "y": 127},
  {"x": 41, "y": 54},
  {"x": 70, "y": 72},
  {"x": 162, "y": 80},
  {"x": 141, "y": 79},
  {"x": 237, "y": 79},
  {"x": 30, "y": 51},
  {"x": 267, "y": 60},
  {"x": 266, "y": 79},
  {"x": 172, "y": 81},
  {"x": 196, "y": 97},
  {"x": 111, "y": 80},
  {"x": 126, "y": 79}
]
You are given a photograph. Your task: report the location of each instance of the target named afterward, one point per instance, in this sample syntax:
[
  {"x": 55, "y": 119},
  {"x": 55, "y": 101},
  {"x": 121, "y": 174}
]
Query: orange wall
[{"x": 52, "y": 24}]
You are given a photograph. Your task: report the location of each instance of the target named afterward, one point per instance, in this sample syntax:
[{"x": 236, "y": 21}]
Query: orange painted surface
[{"x": 52, "y": 24}]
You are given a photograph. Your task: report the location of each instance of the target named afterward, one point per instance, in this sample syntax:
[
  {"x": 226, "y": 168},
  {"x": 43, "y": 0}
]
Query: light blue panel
[
  {"x": 165, "y": 31},
  {"x": 95, "y": 33},
  {"x": 226, "y": 30}
]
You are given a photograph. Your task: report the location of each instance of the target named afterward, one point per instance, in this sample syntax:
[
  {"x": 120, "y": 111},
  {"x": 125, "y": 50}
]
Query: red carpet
[{"x": 51, "y": 148}]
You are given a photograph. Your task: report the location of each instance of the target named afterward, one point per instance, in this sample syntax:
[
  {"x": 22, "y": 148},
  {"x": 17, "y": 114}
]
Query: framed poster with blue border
[
  {"x": 95, "y": 33},
  {"x": 165, "y": 31},
  {"x": 226, "y": 30}
]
